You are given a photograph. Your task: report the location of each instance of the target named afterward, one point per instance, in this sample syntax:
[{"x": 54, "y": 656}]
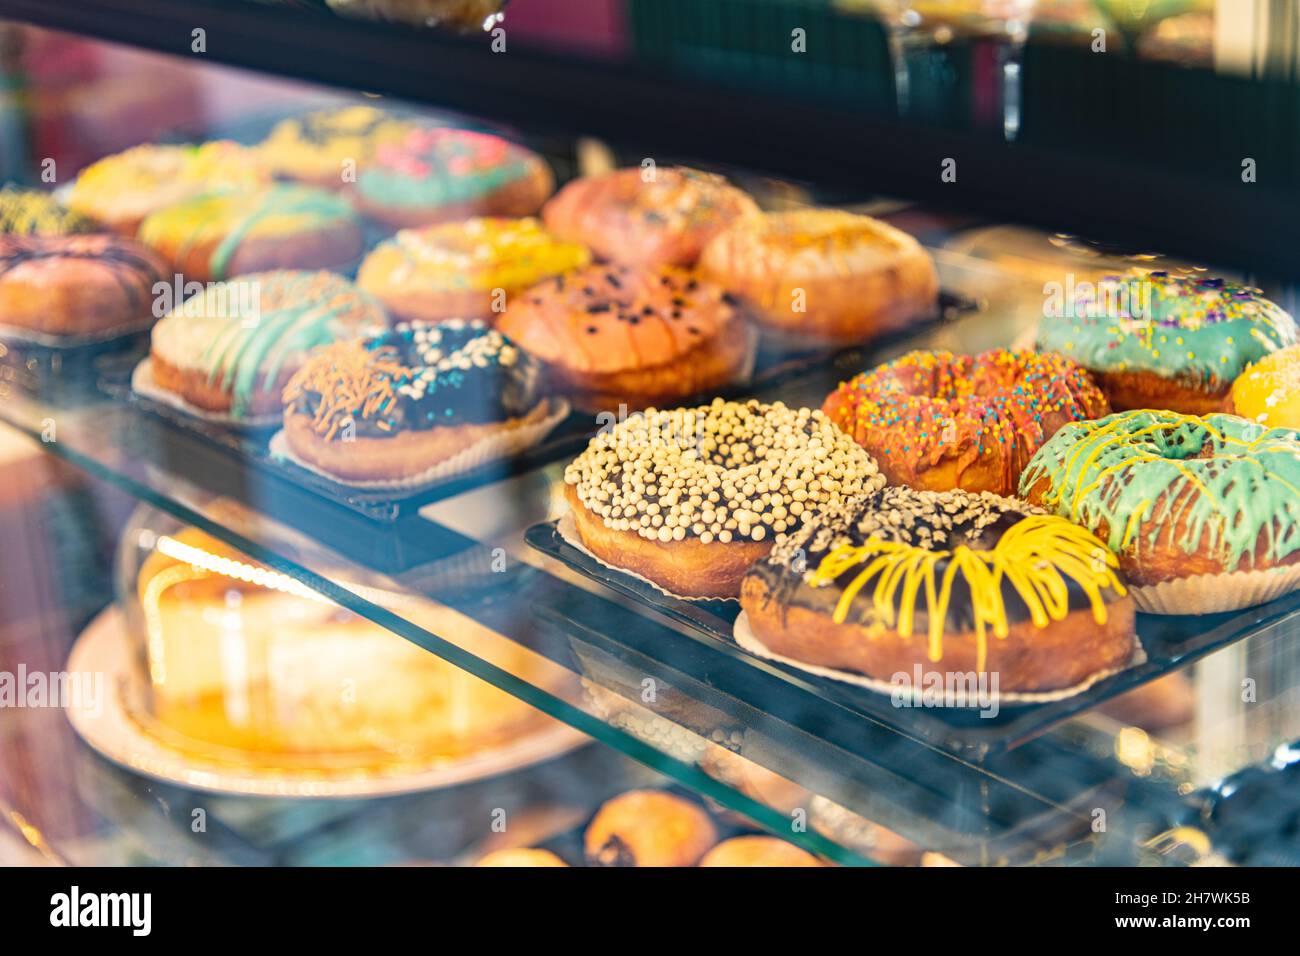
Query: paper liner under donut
[
  {"x": 1029, "y": 658},
  {"x": 414, "y": 457},
  {"x": 1212, "y": 593},
  {"x": 687, "y": 569},
  {"x": 144, "y": 383}
]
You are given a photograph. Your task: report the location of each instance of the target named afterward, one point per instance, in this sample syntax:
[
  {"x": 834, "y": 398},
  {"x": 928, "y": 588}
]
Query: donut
[
  {"x": 442, "y": 174},
  {"x": 1165, "y": 341},
  {"x": 614, "y": 336},
  {"x": 823, "y": 276},
  {"x": 122, "y": 190},
  {"x": 690, "y": 498},
  {"x": 328, "y": 148},
  {"x": 394, "y": 405},
  {"x": 232, "y": 348},
  {"x": 649, "y": 828},
  {"x": 1268, "y": 392},
  {"x": 520, "y": 857},
  {"x": 938, "y": 421},
  {"x": 31, "y": 212},
  {"x": 469, "y": 269},
  {"x": 758, "y": 851},
  {"x": 1177, "y": 496},
  {"x": 932, "y": 583},
  {"x": 218, "y": 235},
  {"x": 77, "y": 285},
  {"x": 646, "y": 217}
]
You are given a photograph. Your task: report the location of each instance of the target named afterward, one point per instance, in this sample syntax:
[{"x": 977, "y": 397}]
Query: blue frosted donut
[{"x": 1163, "y": 340}]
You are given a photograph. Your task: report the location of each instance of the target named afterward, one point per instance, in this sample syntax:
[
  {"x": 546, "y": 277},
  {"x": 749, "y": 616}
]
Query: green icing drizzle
[
  {"x": 1177, "y": 326},
  {"x": 1232, "y": 482},
  {"x": 300, "y": 317},
  {"x": 324, "y": 207}
]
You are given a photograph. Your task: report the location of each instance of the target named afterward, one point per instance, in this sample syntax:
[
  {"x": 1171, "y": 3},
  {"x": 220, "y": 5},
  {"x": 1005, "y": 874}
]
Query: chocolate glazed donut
[{"x": 944, "y": 582}]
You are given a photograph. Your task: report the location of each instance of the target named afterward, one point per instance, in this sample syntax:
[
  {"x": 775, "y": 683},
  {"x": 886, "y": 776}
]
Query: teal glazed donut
[
  {"x": 1164, "y": 340},
  {"x": 1176, "y": 495}
]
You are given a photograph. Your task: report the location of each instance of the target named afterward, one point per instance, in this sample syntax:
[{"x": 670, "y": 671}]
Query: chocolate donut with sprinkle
[
  {"x": 923, "y": 583},
  {"x": 393, "y": 406}
]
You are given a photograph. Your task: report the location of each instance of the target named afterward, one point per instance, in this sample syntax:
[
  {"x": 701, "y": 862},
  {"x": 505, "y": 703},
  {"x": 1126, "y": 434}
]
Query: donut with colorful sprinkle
[
  {"x": 938, "y": 421},
  {"x": 1165, "y": 340}
]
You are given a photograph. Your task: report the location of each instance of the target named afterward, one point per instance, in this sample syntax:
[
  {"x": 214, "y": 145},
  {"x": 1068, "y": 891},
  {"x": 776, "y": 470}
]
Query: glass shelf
[{"x": 1032, "y": 799}]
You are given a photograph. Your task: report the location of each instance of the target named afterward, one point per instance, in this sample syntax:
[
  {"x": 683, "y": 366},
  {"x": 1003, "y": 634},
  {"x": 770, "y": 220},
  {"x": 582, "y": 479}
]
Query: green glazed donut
[{"x": 1176, "y": 495}]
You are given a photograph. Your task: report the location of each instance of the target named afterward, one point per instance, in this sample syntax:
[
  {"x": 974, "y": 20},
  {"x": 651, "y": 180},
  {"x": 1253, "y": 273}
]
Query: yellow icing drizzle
[{"x": 1036, "y": 555}]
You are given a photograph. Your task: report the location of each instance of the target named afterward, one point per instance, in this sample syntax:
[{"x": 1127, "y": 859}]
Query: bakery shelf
[{"x": 976, "y": 803}]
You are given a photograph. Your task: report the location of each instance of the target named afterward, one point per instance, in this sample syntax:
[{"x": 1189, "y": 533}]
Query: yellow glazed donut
[
  {"x": 1268, "y": 392},
  {"x": 312, "y": 148},
  {"x": 453, "y": 270},
  {"x": 122, "y": 190}
]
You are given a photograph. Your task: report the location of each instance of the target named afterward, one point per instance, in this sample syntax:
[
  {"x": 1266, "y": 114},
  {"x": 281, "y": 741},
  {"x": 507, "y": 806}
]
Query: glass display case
[{"x": 417, "y": 420}]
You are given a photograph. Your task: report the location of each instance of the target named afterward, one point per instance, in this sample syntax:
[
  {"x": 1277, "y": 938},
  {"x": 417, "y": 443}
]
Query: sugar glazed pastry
[
  {"x": 758, "y": 851},
  {"x": 441, "y": 174},
  {"x": 1179, "y": 496},
  {"x": 219, "y": 235},
  {"x": 647, "y": 217},
  {"x": 614, "y": 336},
  {"x": 232, "y": 348},
  {"x": 122, "y": 190},
  {"x": 394, "y": 406},
  {"x": 31, "y": 212},
  {"x": 944, "y": 582},
  {"x": 1166, "y": 341},
  {"x": 937, "y": 421},
  {"x": 88, "y": 285},
  {"x": 823, "y": 276},
  {"x": 649, "y": 828},
  {"x": 690, "y": 498},
  {"x": 320, "y": 147},
  {"x": 470, "y": 269},
  {"x": 1268, "y": 392}
]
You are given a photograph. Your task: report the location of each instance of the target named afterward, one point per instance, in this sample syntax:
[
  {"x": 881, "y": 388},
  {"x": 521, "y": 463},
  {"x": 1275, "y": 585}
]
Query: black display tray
[{"x": 1170, "y": 643}]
